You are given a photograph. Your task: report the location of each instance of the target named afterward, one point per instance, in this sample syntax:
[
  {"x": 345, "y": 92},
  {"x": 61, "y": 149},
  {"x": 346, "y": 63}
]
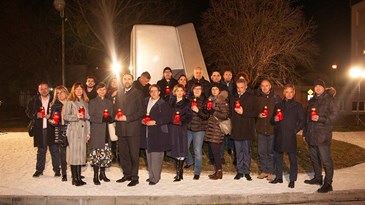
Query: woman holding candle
[
  {"x": 111, "y": 93},
  {"x": 286, "y": 127},
  {"x": 78, "y": 130},
  {"x": 181, "y": 117},
  {"x": 101, "y": 112},
  {"x": 57, "y": 109},
  {"x": 196, "y": 128},
  {"x": 167, "y": 83},
  {"x": 219, "y": 110},
  {"x": 155, "y": 135}
]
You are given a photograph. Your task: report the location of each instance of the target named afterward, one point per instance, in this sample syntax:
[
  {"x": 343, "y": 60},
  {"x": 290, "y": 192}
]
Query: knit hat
[
  {"x": 167, "y": 68},
  {"x": 319, "y": 82}
]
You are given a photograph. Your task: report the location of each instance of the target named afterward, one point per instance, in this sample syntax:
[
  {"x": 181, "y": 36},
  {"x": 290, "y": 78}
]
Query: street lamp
[
  {"x": 60, "y": 6},
  {"x": 334, "y": 67},
  {"x": 358, "y": 73}
]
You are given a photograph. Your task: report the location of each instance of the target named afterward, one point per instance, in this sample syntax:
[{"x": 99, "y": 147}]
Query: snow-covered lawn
[{"x": 18, "y": 157}]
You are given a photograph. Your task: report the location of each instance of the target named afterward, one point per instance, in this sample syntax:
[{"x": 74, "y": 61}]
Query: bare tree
[{"x": 265, "y": 39}]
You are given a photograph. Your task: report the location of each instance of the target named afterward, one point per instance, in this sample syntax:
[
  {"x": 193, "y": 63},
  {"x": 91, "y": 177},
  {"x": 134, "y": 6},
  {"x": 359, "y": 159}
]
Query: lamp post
[
  {"x": 334, "y": 67},
  {"x": 357, "y": 73},
  {"x": 60, "y": 6}
]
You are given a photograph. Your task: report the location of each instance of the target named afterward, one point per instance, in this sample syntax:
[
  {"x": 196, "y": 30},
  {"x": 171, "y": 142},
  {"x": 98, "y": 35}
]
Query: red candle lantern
[
  {"x": 106, "y": 113},
  {"x": 82, "y": 111},
  {"x": 313, "y": 112},
  {"x": 194, "y": 103},
  {"x": 56, "y": 117},
  {"x": 177, "y": 117},
  {"x": 279, "y": 114},
  {"x": 42, "y": 111},
  {"x": 167, "y": 90},
  {"x": 237, "y": 104},
  {"x": 119, "y": 113},
  {"x": 209, "y": 104},
  {"x": 266, "y": 111},
  {"x": 147, "y": 118}
]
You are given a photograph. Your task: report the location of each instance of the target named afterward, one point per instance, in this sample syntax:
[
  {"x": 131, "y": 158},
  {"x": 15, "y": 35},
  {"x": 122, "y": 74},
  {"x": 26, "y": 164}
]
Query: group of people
[{"x": 170, "y": 116}]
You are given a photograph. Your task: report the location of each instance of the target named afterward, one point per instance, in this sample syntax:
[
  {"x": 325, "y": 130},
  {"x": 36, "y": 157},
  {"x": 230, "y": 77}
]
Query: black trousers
[
  {"x": 216, "y": 150},
  {"x": 129, "y": 155},
  {"x": 319, "y": 154},
  {"x": 279, "y": 164}
]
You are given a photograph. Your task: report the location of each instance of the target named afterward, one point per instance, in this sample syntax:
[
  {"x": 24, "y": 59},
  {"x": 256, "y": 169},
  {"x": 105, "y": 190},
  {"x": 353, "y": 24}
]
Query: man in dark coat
[
  {"x": 142, "y": 83},
  {"x": 198, "y": 78},
  {"x": 90, "y": 87},
  {"x": 285, "y": 139},
  {"x": 318, "y": 135},
  {"x": 243, "y": 127},
  {"x": 131, "y": 102},
  {"x": 44, "y": 132},
  {"x": 167, "y": 82}
]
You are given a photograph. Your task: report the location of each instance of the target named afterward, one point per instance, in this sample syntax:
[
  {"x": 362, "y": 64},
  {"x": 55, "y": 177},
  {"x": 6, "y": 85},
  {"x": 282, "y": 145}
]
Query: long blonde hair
[
  {"x": 72, "y": 97},
  {"x": 59, "y": 89}
]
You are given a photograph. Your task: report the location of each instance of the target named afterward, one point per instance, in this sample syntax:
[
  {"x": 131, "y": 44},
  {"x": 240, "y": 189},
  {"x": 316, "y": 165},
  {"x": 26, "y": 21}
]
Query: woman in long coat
[
  {"x": 99, "y": 137},
  {"x": 285, "y": 131},
  {"x": 155, "y": 136},
  {"x": 214, "y": 135},
  {"x": 78, "y": 130},
  {"x": 179, "y": 130}
]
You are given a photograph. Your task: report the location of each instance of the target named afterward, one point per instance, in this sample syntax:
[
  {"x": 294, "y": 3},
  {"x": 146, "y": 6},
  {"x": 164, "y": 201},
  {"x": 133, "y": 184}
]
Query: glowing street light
[
  {"x": 116, "y": 68},
  {"x": 60, "y": 7},
  {"x": 357, "y": 73}
]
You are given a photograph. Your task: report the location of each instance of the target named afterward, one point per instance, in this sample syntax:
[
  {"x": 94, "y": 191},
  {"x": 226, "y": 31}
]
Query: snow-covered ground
[{"x": 17, "y": 165}]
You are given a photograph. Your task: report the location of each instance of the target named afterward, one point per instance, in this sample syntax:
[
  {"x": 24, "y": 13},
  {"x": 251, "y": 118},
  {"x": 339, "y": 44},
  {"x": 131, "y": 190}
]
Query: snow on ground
[{"x": 18, "y": 157}]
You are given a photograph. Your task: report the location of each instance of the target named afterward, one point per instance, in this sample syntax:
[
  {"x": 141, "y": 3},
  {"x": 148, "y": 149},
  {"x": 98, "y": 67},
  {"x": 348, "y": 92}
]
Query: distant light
[
  {"x": 334, "y": 66},
  {"x": 357, "y": 72},
  {"x": 51, "y": 89},
  {"x": 116, "y": 67}
]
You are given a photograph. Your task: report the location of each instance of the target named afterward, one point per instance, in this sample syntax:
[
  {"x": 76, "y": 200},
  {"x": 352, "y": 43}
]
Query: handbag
[
  {"x": 226, "y": 126},
  {"x": 112, "y": 135},
  {"x": 31, "y": 128}
]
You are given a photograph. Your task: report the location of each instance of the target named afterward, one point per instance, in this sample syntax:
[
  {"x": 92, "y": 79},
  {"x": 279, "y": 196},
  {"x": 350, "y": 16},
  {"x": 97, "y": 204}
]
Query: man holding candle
[
  {"x": 267, "y": 100},
  {"x": 44, "y": 133},
  {"x": 167, "y": 84},
  {"x": 128, "y": 126},
  {"x": 318, "y": 134}
]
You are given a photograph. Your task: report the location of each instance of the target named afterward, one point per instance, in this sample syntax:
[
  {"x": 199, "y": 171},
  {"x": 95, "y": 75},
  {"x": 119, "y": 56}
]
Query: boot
[
  {"x": 74, "y": 176},
  {"x": 211, "y": 175},
  {"x": 326, "y": 187},
  {"x": 179, "y": 170},
  {"x": 102, "y": 175},
  {"x": 96, "y": 173},
  {"x": 218, "y": 175},
  {"x": 176, "y": 169},
  {"x": 78, "y": 175}
]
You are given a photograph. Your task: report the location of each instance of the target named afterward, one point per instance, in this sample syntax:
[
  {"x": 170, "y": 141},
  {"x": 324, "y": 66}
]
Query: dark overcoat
[
  {"x": 263, "y": 125},
  {"x": 156, "y": 138},
  {"x": 31, "y": 111},
  {"x": 285, "y": 131},
  {"x": 163, "y": 83}
]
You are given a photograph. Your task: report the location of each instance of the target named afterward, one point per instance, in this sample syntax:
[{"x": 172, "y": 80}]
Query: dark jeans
[
  {"x": 319, "y": 154},
  {"x": 266, "y": 153},
  {"x": 216, "y": 151},
  {"x": 279, "y": 164},
  {"x": 129, "y": 156},
  {"x": 41, "y": 154},
  {"x": 243, "y": 154}
]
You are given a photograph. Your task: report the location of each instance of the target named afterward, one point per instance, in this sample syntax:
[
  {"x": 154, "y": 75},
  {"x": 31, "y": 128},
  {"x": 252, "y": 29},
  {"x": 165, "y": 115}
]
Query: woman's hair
[
  {"x": 177, "y": 87},
  {"x": 109, "y": 87},
  {"x": 72, "y": 95},
  {"x": 100, "y": 85},
  {"x": 58, "y": 89},
  {"x": 182, "y": 75}
]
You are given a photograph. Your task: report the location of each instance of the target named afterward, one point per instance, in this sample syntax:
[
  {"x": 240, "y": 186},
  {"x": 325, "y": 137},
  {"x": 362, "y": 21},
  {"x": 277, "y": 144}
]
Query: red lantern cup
[
  {"x": 237, "y": 104},
  {"x": 177, "y": 117},
  {"x": 42, "y": 111},
  {"x": 106, "y": 113},
  {"x": 167, "y": 90},
  {"x": 56, "y": 117},
  {"x": 147, "y": 118},
  {"x": 313, "y": 113},
  {"x": 279, "y": 114},
  {"x": 194, "y": 103},
  {"x": 266, "y": 111},
  {"x": 209, "y": 104},
  {"x": 82, "y": 111},
  {"x": 119, "y": 113}
]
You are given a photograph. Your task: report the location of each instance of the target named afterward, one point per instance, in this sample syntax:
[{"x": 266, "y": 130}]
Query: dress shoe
[
  {"x": 325, "y": 188},
  {"x": 187, "y": 166},
  {"x": 37, "y": 173},
  {"x": 238, "y": 176},
  {"x": 152, "y": 183},
  {"x": 262, "y": 175},
  {"x": 64, "y": 178},
  {"x": 124, "y": 179},
  {"x": 57, "y": 174},
  {"x": 248, "y": 177},
  {"x": 196, "y": 177},
  {"x": 211, "y": 175},
  {"x": 218, "y": 175},
  {"x": 269, "y": 177},
  {"x": 291, "y": 184},
  {"x": 276, "y": 180},
  {"x": 148, "y": 180},
  {"x": 314, "y": 181},
  {"x": 133, "y": 183}
]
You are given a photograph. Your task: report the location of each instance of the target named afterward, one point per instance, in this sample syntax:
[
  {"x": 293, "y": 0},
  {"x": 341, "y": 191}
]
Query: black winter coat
[
  {"x": 243, "y": 126},
  {"x": 163, "y": 83},
  {"x": 144, "y": 89},
  {"x": 157, "y": 138},
  {"x": 31, "y": 111},
  {"x": 320, "y": 132},
  {"x": 263, "y": 125},
  {"x": 205, "y": 84},
  {"x": 199, "y": 120},
  {"x": 285, "y": 139}
]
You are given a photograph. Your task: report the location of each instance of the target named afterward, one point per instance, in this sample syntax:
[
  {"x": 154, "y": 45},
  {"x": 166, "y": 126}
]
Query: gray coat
[
  {"x": 77, "y": 130},
  {"x": 98, "y": 127}
]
